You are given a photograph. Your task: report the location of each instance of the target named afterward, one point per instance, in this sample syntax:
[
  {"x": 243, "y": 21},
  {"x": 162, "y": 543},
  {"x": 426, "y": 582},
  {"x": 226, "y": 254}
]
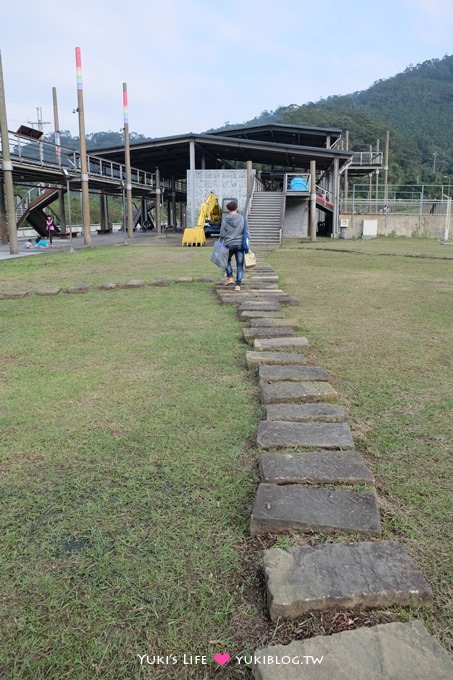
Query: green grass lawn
[
  {"x": 127, "y": 460},
  {"x": 383, "y": 326}
]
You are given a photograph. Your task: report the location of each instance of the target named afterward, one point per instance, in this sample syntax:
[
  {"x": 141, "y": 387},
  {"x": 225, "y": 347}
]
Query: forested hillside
[{"x": 416, "y": 106}]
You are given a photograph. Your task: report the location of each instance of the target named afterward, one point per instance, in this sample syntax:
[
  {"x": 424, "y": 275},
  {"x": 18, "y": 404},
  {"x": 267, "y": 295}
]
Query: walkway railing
[
  {"x": 407, "y": 200},
  {"x": 45, "y": 154}
]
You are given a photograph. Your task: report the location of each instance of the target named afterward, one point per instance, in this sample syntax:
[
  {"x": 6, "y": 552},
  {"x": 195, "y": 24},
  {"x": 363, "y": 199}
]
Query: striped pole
[
  {"x": 83, "y": 152},
  {"x": 127, "y": 160}
]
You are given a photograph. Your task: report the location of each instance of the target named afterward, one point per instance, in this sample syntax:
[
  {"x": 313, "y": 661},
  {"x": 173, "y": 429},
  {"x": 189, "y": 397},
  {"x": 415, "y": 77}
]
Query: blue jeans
[{"x": 239, "y": 255}]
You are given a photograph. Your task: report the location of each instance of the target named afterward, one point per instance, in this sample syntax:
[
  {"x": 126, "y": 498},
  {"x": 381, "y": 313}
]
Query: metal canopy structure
[
  {"x": 286, "y": 134},
  {"x": 271, "y": 145}
]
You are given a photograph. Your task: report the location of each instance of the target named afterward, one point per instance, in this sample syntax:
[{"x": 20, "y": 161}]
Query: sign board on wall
[{"x": 369, "y": 228}]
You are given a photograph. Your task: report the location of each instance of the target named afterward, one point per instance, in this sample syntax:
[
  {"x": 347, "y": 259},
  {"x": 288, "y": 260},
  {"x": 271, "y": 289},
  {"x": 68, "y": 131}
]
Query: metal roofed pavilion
[{"x": 273, "y": 145}]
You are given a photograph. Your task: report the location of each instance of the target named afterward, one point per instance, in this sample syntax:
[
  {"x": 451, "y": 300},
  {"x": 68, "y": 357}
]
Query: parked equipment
[{"x": 210, "y": 217}]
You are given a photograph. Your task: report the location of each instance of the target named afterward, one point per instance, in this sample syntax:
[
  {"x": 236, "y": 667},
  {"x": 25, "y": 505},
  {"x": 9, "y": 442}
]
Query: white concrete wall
[
  {"x": 427, "y": 226},
  {"x": 224, "y": 183},
  {"x": 295, "y": 222}
]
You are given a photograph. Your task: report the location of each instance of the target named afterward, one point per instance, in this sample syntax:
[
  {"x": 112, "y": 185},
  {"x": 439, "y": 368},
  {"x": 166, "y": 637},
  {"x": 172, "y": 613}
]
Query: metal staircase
[{"x": 265, "y": 217}]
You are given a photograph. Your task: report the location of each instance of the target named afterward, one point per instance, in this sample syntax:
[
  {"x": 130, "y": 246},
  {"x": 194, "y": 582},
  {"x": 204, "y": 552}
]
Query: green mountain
[{"x": 416, "y": 106}]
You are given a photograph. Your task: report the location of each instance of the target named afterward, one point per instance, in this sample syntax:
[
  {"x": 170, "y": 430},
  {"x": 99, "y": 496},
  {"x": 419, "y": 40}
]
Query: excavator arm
[{"x": 211, "y": 213}]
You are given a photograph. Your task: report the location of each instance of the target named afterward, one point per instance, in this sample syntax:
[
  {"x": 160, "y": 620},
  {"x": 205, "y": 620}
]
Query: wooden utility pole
[
  {"x": 158, "y": 207},
  {"x": 127, "y": 161},
  {"x": 8, "y": 185},
  {"x": 58, "y": 154},
  {"x": 83, "y": 153}
]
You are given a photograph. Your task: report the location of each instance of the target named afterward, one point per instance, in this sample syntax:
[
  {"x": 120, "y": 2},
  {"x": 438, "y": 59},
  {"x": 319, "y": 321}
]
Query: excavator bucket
[{"x": 194, "y": 236}]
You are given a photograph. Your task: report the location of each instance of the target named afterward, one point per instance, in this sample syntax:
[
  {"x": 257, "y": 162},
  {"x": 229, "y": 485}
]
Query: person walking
[
  {"x": 232, "y": 233},
  {"x": 50, "y": 228}
]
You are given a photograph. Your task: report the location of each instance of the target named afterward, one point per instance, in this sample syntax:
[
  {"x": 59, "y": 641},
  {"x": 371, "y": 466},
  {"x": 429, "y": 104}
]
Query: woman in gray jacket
[{"x": 232, "y": 233}]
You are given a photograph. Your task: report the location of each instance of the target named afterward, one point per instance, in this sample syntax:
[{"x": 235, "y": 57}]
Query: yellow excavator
[{"x": 210, "y": 216}]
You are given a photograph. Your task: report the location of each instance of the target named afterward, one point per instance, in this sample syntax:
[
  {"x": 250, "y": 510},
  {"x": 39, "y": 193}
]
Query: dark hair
[{"x": 232, "y": 205}]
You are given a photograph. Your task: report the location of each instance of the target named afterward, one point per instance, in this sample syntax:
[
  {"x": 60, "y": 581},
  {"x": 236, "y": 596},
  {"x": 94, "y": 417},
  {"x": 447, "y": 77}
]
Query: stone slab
[
  {"x": 159, "y": 282},
  {"x": 306, "y": 413},
  {"x": 273, "y": 322},
  {"x": 389, "y": 651},
  {"x": 285, "y": 392},
  {"x": 133, "y": 283},
  {"x": 78, "y": 289},
  {"x": 294, "y": 507},
  {"x": 255, "y": 359},
  {"x": 349, "y": 575},
  {"x": 315, "y": 467},
  {"x": 261, "y": 284},
  {"x": 107, "y": 286},
  {"x": 247, "y": 315},
  {"x": 13, "y": 294},
  {"x": 270, "y": 277},
  {"x": 251, "y": 334},
  {"x": 271, "y": 374},
  {"x": 260, "y": 306},
  {"x": 289, "y": 344},
  {"x": 48, "y": 290},
  {"x": 278, "y": 434}
]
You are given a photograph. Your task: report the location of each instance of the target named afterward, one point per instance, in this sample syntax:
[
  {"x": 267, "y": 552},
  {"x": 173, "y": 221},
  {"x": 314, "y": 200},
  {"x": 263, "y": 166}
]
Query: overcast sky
[{"x": 191, "y": 65}]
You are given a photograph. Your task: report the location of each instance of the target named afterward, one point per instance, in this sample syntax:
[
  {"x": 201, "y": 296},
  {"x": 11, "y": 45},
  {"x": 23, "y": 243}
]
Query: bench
[
  {"x": 67, "y": 234},
  {"x": 103, "y": 231}
]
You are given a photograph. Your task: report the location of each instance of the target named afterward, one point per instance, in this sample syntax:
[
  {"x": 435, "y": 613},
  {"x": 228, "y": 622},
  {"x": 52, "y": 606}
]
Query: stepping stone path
[
  {"x": 278, "y": 509},
  {"x": 315, "y": 467},
  {"x": 281, "y": 344},
  {"x": 303, "y": 413},
  {"x": 273, "y": 322},
  {"x": 313, "y": 480},
  {"x": 296, "y": 392},
  {"x": 390, "y": 651},
  {"x": 251, "y": 334},
  {"x": 351, "y": 575},
  {"x": 279, "y": 434},
  {"x": 271, "y": 374},
  {"x": 256, "y": 359}
]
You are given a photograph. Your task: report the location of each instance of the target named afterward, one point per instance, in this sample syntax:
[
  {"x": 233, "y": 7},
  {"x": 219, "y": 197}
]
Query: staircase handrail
[
  {"x": 32, "y": 194},
  {"x": 324, "y": 194}
]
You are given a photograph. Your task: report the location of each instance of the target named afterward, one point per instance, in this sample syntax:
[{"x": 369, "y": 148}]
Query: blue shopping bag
[{"x": 219, "y": 255}]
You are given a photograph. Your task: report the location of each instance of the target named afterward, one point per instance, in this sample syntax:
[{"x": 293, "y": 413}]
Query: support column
[
  {"x": 174, "y": 219},
  {"x": 158, "y": 210},
  {"x": 312, "y": 215},
  {"x": 249, "y": 177},
  {"x": 61, "y": 201},
  {"x": 336, "y": 199},
  {"x": 346, "y": 175},
  {"x": 191, "y": 198},
  {"x": 104, "y": 212},
  {"x": 3, "y": 223},
  {"x": 8, "y": 185}
]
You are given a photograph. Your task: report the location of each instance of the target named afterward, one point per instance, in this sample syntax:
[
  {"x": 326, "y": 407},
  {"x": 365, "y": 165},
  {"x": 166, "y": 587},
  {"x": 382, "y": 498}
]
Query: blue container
[{"x": 298, "y": 184}]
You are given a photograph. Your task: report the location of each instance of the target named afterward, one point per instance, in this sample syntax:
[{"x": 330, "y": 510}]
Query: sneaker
[
  {"x": 237, "y": 288},
  {"x": 229, "y": 282}
]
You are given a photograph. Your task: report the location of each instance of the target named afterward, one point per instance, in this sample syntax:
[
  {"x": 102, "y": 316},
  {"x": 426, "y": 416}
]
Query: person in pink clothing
[{"x": 50, "y": 227}]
